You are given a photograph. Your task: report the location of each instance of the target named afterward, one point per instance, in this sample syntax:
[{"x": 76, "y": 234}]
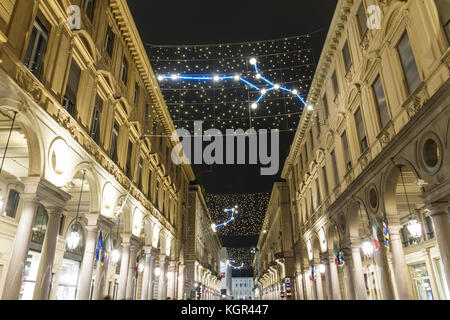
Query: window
[
  {"x": 136, "y": 94},
  {"x": 318, "y": 124},
  {"x": 335, "y": 168},
  {"x": 301, "y": 162},
  {"x": 306, "y": 157},
  {"x": 347, "y": 57},
  {"x": 139, "y": 177},
  {"x": 96, "y": 119},
  {"x": 361, "y": 131},
  {"x": 114, "y": 140},
  {"x": 311, "y": 137},
  {"x": 430, "y": 227},
  {"x": 147, "y": 112},
  {"x": 319, "y": 198},
  {"x": 335, "y": 85},
  {"x": 325, "y": 105},
  {"x": 70, "y": 97},
  {"x": 124, "y": 70},
  {"x": 37, "y": 46},
  {"x": 311, "y": 200},
  {"x": 88, "y": 8},
  {"x": 12, "y": 203},
  {"x": 156, "y": 197},
  {"x": 409, "y": 65},
  {"x": 39, "y": 225},
  {"x": 362, "y": 20},
  {"x": 380, "y": 99},
  {"x": 128, "y": 163},
  {"x": 109, "y": 41},
  {"x": 443, "y": 8},
  {"x": 325, "y": 180},
  {"x": 61, "y": 225},
  {"x": 149, "y": 190},
  {"x": 348, "y": 162}
]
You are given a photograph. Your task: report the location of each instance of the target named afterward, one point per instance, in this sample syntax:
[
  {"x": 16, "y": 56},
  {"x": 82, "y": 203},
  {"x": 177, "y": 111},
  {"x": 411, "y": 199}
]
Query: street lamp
[
  {"x": 115, "y": 256},
  {"x": 321, "y": 268},
  {"x": 74, "y": 237},
  {"x": 367, "y": 247},
  {"x": 414, "y": 228}
]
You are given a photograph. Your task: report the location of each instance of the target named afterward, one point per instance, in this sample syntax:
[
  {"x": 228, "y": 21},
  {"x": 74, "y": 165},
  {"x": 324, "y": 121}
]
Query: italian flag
[{"x": 375, "y": 233}]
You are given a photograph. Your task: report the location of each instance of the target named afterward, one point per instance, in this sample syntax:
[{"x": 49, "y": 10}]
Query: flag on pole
[
  {"x": 108, "y": 246},
  {"x": 336, "y": 255},
  {"x": 99, "y": 253},
  {"x": 341, "y": 260},
  {"x": 375, "y": 231},
  {"x": 387, "y": 243}
]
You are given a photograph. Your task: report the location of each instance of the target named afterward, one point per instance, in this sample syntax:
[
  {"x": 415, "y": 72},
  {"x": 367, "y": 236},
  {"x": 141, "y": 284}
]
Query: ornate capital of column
[
  {"x": 92, "y": 218},
  {"x": 438, "y": 208},
  {"x": 126, "y": 238},
  {"x": 162, "y": 259},
  {"x": 91, "y": 228},
  {"x": 55, "y": 210},
  {"x": 324, "y": 256}
]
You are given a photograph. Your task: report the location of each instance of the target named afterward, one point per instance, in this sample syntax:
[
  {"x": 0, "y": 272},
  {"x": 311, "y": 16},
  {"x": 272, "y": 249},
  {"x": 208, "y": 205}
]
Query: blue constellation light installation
[
  {"x": 223, "y": 224},
  {"x": 258, "y": 75},
  {"x": 234, "y": 267}
]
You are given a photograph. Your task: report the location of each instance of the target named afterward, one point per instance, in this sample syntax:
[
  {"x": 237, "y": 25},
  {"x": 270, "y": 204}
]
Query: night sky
[{"x": 178, "y": 22}]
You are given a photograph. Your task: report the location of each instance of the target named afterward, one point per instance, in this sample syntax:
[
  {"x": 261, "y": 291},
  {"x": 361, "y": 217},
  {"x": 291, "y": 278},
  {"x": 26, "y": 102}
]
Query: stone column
[
  {"x": 44, "y": 275},
  {"x": 440, "y": 217},
  {"x": 429, "y": 266},
  {"x": 318, "y": 281},
  {"x": 400, "y": 269},
  {"x": 328, "y": 280},
  {"x": 357, "y": 271},
  {"x": 307, "y": 285},
  {"x": 348, "y": 275},
  {"x": 180, "y": 293},
  {"x": 334, "y": 278},
  {"x": 99, "y": 281},
  {"x": 131, "y": 280},
  {"x": 124, "y": 261},
  {"x": 19, "y": 252},
  {"x": 146, "y": 275},
  {"x": 102, "y": 268},
  {"x": 85, "y": 279},
  {"x": 162, "y": 285},
  {"x": 171, "y": 279},
  {"x": 382, "y": 267}
]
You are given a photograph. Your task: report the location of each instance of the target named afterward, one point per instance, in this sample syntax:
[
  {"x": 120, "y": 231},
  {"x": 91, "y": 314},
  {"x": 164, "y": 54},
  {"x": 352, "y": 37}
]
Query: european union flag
[
  {"x": 387, "y": 243},
  {"x": 100, "y": 253}
]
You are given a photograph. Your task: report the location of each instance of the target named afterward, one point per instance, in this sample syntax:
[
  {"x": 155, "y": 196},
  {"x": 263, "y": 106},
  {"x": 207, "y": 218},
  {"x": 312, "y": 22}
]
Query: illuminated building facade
[
  {"x": 367, "y": 179},
  {"x": 84, "y": 137},
  {"x": 203, "y": 250}
]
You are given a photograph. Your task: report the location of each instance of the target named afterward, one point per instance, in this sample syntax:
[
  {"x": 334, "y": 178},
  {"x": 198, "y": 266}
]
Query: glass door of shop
[
  {"x": 421, "y": 282},
  {"x": 68, "y": 280}
]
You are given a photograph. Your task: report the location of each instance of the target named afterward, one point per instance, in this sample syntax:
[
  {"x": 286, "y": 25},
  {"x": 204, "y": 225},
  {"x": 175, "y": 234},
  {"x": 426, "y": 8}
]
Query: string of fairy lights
[
  {"x": 258, "y": 76},
  {"x": 244, "y": 215},
  {"x": 259, "y": 84}
]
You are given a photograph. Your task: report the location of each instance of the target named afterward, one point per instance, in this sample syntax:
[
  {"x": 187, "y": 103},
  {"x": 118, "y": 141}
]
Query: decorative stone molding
[{"x": 416, "y": 100}]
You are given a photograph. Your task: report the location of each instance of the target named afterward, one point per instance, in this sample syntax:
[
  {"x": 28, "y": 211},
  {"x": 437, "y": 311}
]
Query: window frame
[
  {"x": 31, "y": 55},
  {"x": 407, "y": 83},
  {"x": 362, "y": 148},
  {"x": 347, "y": 56},
  {"x": 377, "y": 102}
]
